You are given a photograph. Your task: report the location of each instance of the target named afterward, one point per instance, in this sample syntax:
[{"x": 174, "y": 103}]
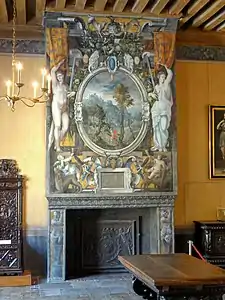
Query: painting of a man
[{"x": 217, "y": 141}]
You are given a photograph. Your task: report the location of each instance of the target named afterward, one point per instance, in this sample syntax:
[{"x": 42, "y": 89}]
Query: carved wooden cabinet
[
  {"x": 210, "y": 241},
  {"x": 10, "y": 218}
]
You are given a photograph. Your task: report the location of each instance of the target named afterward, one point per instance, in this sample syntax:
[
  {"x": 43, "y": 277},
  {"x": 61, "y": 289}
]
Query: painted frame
[
  {"x": 79, "y": 115},
  {"x": 216, "y": 141}
]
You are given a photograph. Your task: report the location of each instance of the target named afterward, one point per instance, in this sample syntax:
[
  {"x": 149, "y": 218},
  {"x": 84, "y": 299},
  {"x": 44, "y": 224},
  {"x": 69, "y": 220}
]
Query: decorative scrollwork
[{"x": 8, "y": 168}]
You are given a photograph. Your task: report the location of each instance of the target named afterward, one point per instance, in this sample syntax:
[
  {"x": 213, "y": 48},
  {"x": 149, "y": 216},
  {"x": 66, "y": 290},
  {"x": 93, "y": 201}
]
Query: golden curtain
[
  {"x": 164, "y": 49},
  {"x": 56, "y": 45}
]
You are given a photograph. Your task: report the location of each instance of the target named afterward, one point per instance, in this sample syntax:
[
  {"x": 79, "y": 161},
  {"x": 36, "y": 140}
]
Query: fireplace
[
  {"x": 95, "y": 238},
  {"x": 111, "y": 151},
  {"x": 87, "y": 235}
]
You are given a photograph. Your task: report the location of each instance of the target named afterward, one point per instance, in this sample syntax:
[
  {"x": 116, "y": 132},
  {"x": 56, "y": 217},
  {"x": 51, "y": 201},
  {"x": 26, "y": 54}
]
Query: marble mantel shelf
[{"x": 110, "y": 201}]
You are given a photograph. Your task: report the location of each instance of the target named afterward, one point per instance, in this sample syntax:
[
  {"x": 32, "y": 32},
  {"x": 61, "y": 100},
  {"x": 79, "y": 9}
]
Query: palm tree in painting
[{"x": 124, "y": 100}]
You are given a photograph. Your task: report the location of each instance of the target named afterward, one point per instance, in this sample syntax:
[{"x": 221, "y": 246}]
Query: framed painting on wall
[{"x": 216, "y": 141}]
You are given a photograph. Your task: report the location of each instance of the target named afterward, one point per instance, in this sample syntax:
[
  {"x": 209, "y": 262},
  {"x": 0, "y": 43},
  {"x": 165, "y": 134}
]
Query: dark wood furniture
[
  {"x": 210, "y": 241},
  {"x": 10, "y": 218},
  {"x": 174, "y": 276}
]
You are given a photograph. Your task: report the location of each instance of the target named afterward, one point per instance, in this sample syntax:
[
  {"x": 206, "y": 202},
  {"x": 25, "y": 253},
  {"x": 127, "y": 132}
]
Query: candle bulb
[
  {"x": 8, "y": 86},
  {"x": 49, "y": 83},
  {"x": 19, "y": 68},
  {"x": 35, "y": 85},
  {"x": 44, "y": 73}
]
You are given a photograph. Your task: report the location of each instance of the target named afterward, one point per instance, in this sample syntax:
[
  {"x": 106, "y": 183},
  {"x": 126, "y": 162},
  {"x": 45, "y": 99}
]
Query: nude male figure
[{"x": 60, "y": 109}]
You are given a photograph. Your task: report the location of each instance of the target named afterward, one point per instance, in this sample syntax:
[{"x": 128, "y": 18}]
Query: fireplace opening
[{"x": 95, "y": 238}]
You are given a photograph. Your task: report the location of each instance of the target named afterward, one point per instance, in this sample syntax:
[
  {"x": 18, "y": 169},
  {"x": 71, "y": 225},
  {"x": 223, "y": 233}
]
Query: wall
[
  {"x": 198, "y": 85},
  {"x": 23, "y": 138}
]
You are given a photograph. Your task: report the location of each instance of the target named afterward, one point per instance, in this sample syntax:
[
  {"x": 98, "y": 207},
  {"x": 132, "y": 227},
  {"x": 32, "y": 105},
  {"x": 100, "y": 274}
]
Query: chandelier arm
[
  {"x": 2, "y": 98},
  {"x": 18, "y": 92},
  {"x": 28, "y": 105},
  {"x": 34, "y": 100}
]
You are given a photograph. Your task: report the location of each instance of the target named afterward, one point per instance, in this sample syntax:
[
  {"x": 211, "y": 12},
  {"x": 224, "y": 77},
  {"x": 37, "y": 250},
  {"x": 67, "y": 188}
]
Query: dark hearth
[{"x": 95, "y": 238}]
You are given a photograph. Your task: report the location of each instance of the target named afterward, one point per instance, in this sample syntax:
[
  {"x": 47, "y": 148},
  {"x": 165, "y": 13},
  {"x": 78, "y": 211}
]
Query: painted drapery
[
  {"x": 164, "y": 48},
  {"x": 56, "y": 45}
]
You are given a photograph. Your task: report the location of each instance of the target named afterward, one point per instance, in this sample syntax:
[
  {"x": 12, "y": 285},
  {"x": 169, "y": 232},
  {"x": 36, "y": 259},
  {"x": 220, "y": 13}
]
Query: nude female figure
[
  {"x": 161, "y": 110},
  {"x": 60, "y": 107}
]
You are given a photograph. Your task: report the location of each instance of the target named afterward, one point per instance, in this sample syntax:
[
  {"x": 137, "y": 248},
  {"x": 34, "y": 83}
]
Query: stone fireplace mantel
[
  {"x": 110, "y": 201},
  {"x": 160, "y": 210}
]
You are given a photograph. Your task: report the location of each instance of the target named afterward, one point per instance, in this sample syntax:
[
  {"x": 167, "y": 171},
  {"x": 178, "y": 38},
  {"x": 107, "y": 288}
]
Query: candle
[
  {"x": 44, "y": 73},
  {"x": 35, "y": 85},
  {"x": 8, "y": 85},
  {"x": 49, "y": 83},
  {"x": 19, "y": 68}
]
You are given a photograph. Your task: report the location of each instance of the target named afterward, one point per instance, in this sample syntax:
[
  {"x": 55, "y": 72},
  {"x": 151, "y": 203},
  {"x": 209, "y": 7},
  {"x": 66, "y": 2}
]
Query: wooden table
[{"x": 174, "y": 276}]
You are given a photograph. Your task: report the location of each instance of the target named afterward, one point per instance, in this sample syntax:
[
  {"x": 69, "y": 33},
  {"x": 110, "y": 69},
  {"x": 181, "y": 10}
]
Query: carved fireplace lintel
[{"x": 102, "y": 202}]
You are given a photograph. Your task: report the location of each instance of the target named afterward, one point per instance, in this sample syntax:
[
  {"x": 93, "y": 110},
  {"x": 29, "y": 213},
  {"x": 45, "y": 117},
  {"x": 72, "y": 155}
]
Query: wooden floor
[{"x": 21, "y": 280}]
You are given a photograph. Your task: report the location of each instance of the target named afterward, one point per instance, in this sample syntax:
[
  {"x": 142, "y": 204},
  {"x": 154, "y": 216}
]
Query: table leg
[{"x": 142, "y": 290}]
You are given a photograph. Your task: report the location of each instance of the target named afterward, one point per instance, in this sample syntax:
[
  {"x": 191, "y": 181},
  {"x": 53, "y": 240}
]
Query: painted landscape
[{"x": 112, "y": 110}]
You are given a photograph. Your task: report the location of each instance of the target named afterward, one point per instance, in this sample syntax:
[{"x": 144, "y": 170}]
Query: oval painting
[{"x": 112, "y": 109}]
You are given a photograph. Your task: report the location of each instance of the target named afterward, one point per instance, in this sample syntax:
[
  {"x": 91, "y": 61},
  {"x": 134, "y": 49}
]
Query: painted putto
[{"x": 112, "y": 107}]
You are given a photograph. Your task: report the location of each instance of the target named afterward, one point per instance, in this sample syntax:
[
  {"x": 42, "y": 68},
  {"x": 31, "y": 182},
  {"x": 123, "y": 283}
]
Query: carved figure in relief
[
  {"x": 60, "y": 109},
  {"x": 57, "y": 248},
  {"x": 221, "y": 127},
  {"x": 161, "y": 110}
]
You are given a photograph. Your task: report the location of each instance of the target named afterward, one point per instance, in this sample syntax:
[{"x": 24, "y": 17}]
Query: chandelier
[{"x": 14, "y": 86}]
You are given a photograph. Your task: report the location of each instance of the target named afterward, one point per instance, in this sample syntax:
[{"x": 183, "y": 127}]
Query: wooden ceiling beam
[
  {"x": 100, "y": 5},
  {"x": 139, "y": 6},
  {"x": 80, "y": 4},
  {"x": 215, "y": 21},
  {"x": 193, "y": 10},
  {"x": 221, "y": 27},
  {"x": 208, "y": 13},
  {"x": 3, "y": 12},
  {"x": 119, "y": 5},
  {"x": 40, "y": 7},
  {"x": 108, "y": 12},
  {"x": 177, "y": 7},
  {"x": 159, "y": 6},
  {"x": 21, "y": 12},
  {"x": 197, "y": 37},
  {"x": 60, "y": 4}
]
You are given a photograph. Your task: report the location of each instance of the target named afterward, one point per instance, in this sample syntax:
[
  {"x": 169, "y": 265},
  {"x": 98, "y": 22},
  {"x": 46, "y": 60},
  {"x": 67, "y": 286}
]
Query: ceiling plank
[
  {"x": 208, "y": 13},
  {"x": 215, "y": 21},
  {"x": 159, "y": 6},
  {"x": 177, "y": 7},
  {"x": 221, "y": 27},
  {"x": 139, "y": 6},
  {"x": 198, "y": 37},
  {"x": 119, "y": 5},
  {"x": 21, "y": 12},
  {"x": 100, "y": 5},
  {"x": 61, "y": 4},
  {"x": 40, "y": 7},
  {"x": 80, "y": 4},
  {"x": 193, "y": 9},
  {"x": 3, "y": 12}
]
